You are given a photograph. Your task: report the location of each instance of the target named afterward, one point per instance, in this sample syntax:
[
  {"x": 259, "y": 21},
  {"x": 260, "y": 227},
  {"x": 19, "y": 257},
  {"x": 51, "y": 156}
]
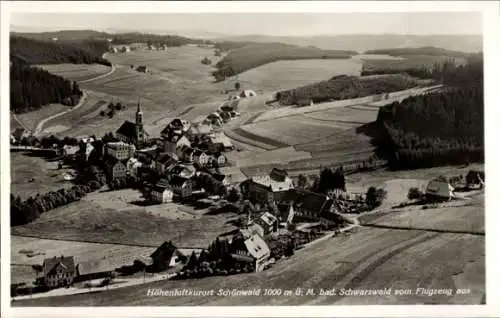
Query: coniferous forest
[{"x": 440, "y": 128}]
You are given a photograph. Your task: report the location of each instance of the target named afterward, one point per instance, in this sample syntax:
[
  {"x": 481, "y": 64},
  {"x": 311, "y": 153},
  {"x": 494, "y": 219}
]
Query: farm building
[
  {"x": 115, "y": 169},
  {"x": 250, "y": 247},
  {"x": 164, "y": 161},
  {"x": 162, "y": 193},
  {"x": 120, "y": 150},
  {"x": 273, "y": 187},
  {"x": 475, "y": 178},
  {"x": 21, "y": 133},
  {"x": 438, "y": 190},
  {"x": 248, "y": 93},
  {"x": 182, "y": 187},
  {"x": 142, "y": 69},
  {"x": 309, "y": 205},
  {"x": 268, "y": 222},
  {"x": 176, "y": 125},
  {"x": 167, "y": 255},
  {"x": 59, "y": 271}
]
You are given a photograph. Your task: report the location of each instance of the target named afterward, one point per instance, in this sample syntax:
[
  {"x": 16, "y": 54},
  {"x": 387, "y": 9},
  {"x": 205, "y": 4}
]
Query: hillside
[
  {"x": 64, "y": 35},
  {"x": 249, "y": 56},
  {"x": 412, "y": 51},
  {"x": 169, "y": 40},
  {"x": 364, "y": 42},
  {"x": 30, "y": 51},
  {"x": 343, "y": 87}
]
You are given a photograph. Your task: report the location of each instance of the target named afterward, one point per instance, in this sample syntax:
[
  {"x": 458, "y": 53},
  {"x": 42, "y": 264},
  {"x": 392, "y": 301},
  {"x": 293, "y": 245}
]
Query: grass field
[
  {"x": 76, "y": 72},
  {"x": 31, "y": 119},
  {"x": 364, "y": 259},
  {"x": 282, "y": 75},
  {"x": 24, "y": 167},
  {"x": 89, "y": 222}
]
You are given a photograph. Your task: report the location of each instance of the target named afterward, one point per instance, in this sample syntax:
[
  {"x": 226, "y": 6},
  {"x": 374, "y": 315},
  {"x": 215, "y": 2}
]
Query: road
[{"x": 39, "y": 127}]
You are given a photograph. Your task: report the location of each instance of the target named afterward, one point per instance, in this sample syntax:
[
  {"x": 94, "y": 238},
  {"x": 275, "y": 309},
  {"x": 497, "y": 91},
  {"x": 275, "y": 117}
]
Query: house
[
  {"x": 221, "y": 138},
  {"x": 59, "y": 271},
  {"x": 182, "y": 187},
  {"x": 248, "y": 93},
  {"x": 273, "y": 187},
  {"x": 268, "y": 222},
  {"x": 200, "y": 130},
  {"x": 115, "y": 169},
  {"x": 113, "y": 50},
  {"x": 167, "y": 255},
  {"x": 439, "y": 190},
  {"x": 222, "y": 178},
  {"x": 162, "y": 193},
  {"x": 177, "y": 125},
  {"x": 250, "y": 247},
  {"x": 220, "y": 159},
  {"x": 329, "y": 218},
  {"x": 286, "y": 212},
  {"x": 142, "y": 69},
  {"x": 200, "y": 157},
  {"x": 120, "y": 150},
  {"x": 184, "y": 171},
  {"x": 309, "y": 205},
  {"x": 21, "y": 133},
  {"x": 214, "y": 119},
  {"x": 133, "y": 165},
  {"x": 69, "y": 150},
  {"x": 475, "y": 178},
  {"x": 175, "y": 142},
  {"x": 165, "y": 161},
  {"x": 186, "y": 154}
]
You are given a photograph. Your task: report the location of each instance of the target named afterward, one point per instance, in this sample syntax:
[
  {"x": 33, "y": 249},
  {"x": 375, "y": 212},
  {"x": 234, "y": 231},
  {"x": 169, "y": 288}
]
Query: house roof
[
  {"x": 117, "y": 144},
  {"x": 311, "y": 201},
  {"x": 278, "y": 174},
  {"x": 274, "y": 185},
  {"x": 219, "y": 176},
  {"x": 165, "y": 251},
  {"x": 255, "y": 245},
  {"x": 198, "y": 152},
  {"x": 128, "y": 130},
  {"x": 174, "y": 125},
  {"x": 187, "y": 151},
  {"x": 174, "y": 136},
  {"x": 221, "y": 138},
  {"x": 67, "y": 264},
  {"x": 166, "y": 158},
  {"x": 202, "y": 129},
  {"x": 178, "y": 181},
  {"x": 328, "y": 215},
  {"x": 268, "y": 218}
]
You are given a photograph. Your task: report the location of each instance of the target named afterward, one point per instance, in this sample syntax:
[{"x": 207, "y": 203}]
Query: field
[
  {"x": 76, "y": 72},
  {"x": 365, "y": 259},
  {"x": 46, "y": 175},
  {"x": 282, "y": 75},
  {"x": 89, "y": 222}
]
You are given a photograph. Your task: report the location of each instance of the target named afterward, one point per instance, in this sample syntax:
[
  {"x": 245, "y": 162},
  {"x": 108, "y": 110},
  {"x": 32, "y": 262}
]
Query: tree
[
  {"x": 302, "y": 181},
  {"x": 375, "y": 197},
  {"x": 237, "y": 86},
  {"x": 415, "y": 194},
  {"x": 234, "y": 195},
  {"x": 193, "y": 261}
]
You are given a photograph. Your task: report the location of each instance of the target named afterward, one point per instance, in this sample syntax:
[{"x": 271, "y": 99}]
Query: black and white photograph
[{"x": 244, "y": 158}]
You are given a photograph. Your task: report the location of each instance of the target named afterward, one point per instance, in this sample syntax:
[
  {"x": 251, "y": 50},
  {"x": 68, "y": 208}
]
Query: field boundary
[{"x": 395, "y": 227}]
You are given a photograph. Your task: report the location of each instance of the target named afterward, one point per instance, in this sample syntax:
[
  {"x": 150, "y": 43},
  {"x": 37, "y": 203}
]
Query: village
[{"x": 187, "y": 164}]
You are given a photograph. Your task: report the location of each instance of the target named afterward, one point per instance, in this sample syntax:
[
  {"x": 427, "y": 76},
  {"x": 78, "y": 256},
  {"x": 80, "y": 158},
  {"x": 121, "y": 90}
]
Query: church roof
[{"x": 128, "y": 130}]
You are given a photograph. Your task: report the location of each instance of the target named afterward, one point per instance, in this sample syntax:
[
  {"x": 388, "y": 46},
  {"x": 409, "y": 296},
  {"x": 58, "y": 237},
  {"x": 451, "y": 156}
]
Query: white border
[{"x": 491, "y": 14}]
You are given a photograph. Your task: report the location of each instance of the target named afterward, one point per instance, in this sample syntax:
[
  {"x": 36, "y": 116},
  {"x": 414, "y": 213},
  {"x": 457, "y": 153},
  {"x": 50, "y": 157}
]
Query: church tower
[{"x": 138, "y": 124}]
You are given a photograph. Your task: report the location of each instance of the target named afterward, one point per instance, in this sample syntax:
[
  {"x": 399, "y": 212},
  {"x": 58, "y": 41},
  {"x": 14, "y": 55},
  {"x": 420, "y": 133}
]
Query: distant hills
[{"x": 364, "y": 42}]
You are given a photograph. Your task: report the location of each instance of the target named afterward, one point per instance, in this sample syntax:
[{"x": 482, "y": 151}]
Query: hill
[
  {"x": 364, "y": 42},
  {"x": 30, "y": 51},
  {"x": 64, "y": 35},
  {"x": 252, "y": 55},
  {"x": 412, "y": 51}
]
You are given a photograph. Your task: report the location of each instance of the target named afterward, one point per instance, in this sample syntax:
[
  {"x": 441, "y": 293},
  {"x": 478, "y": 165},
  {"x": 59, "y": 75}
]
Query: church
[{"x": 133, "y": 133}]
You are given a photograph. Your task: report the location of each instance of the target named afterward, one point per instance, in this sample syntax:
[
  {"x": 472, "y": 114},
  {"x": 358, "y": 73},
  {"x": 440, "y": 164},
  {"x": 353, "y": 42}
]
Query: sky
[{"x": 279, "y": 24}]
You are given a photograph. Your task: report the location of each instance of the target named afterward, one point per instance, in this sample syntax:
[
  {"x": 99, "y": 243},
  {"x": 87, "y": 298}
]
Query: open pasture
[
  {"x": 46, "y": 176},
  {"x": 282, "y": 75},
  {"x": 89, "y": 222},
  {"x": 344, "y": 114},
  {"x": 32, "y": 118},
  {"x": 76, "y": 72}
]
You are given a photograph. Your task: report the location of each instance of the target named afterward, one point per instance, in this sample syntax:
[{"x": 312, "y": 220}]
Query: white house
[
  {"x": 133, "y": 165},
  {"x": 439, "y": 191},
  {"x": 200, "y": 157},
  {"x": 254, "y": 249},
  {"x": 182, "y": 187},
  {"x": 162, "y": 194}
]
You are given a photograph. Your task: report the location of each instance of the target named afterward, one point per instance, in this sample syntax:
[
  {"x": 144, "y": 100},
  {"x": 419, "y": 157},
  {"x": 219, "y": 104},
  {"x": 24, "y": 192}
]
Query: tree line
[
  {"x": 343, "y": 87},
  {"x": 31, "y": 88},
  {"x": 169, "y": 40},
  {"x": 439, "y": 128},
  {"x": 30, "y": 51}
]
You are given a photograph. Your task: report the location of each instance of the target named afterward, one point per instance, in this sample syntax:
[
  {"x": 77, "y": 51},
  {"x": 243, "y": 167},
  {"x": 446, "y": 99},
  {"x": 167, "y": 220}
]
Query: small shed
[{"x": 439, "y": 191}]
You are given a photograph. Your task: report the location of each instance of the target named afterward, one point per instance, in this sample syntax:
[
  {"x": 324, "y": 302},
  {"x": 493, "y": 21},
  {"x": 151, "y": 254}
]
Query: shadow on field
[{"x": 380, "y": 138}]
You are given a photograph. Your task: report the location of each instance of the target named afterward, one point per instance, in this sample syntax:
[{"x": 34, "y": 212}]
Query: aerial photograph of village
[{"x": 246, "y": 159}]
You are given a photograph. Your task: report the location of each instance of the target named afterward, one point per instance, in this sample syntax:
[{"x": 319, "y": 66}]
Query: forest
[
  {"x": 32, "y": 88},
  {"x": 439, "y": 128},
  {"x": 426, "y": 50},
  {"x": 169, "y": 40},
  {"x": 246, "y": 57},
  {"x": 32, "y": 52},
  {"x": 344, "y": 87}
]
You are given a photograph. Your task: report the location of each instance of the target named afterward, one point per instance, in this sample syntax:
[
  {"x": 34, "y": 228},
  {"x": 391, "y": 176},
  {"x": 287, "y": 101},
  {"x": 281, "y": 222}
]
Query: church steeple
[{"x": 138, "y": 123}]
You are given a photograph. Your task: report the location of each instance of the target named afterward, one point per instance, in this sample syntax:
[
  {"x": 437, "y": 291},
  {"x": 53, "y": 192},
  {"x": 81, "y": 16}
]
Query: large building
[
  {"x": 59, "y": 271},
  {"x": 133, "y": 133},
  {"x": 120, "y": 150},
  {"x": 272, "y": 187},
  {"x": 248, "y": 246}
]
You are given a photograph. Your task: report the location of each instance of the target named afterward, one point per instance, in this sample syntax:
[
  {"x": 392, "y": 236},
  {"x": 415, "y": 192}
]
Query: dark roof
[
  {"x": 177, "y": 181},
  {"x": 171, "y": 135},
  {"x": 331, "y": 216},
  {"x": 278, "y": 174},
  {"x": 166, "y": 158},
  {"x": 165, "y": 251},
  {"x": 159, "y": 187},
  {"x": 67, "y": 263},
  {"x": 128, "y": 130},
  {"x": 311, "y": 201},
  {"x": 188, "y": 150},
  {"x": 219, "y": 176},
  {"x": 197, "y": 152}
]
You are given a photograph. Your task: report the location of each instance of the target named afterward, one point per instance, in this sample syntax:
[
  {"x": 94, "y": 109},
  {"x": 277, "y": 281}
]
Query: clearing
[{"x": 76, "y": 72}]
